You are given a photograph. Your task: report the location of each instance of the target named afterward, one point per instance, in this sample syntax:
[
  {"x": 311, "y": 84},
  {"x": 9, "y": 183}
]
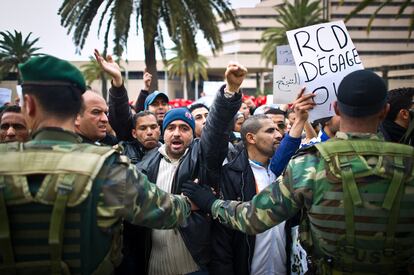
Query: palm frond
[{"x": 290, "y": 16}]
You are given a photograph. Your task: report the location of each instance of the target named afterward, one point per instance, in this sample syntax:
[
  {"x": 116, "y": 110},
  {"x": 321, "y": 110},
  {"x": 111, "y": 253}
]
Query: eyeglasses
[{"x": 16, "y": 126}]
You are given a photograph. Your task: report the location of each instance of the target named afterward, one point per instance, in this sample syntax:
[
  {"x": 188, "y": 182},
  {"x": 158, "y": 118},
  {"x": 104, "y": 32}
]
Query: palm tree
[
  {"x": 363, "y": 4},
  {"x": 291, "y": 16},
  {"x": 14, "y": 50},
  {"x": 92, "y": 71},
  {"x": 188, "y": 68},
  {"x": 183, "y": 19}
]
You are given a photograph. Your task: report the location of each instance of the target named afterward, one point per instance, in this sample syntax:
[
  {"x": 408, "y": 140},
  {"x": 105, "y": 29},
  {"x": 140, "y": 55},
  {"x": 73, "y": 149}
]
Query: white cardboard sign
[
  {"x": 284, "y": 55},
  {"x": 286, "y": 84},
  {"x": 5, "y": 96},
  {"x": 323, "y": 54}
]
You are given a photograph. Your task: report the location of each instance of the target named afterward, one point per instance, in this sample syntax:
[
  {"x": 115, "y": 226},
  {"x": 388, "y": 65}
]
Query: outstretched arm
[
  {"x": 130, "y": 195},
  {"x": 120, "y": 115}
]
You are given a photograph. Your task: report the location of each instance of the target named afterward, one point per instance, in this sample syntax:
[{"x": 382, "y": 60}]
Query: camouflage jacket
[
  {"x": 310, "y": 183},
  {"x": 53, "y": 179},
  {"x": 126, "y": 193}
]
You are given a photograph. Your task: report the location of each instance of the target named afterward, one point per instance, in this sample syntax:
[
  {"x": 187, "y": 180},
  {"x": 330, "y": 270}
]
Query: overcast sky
[{"x": 41, "y": 18}]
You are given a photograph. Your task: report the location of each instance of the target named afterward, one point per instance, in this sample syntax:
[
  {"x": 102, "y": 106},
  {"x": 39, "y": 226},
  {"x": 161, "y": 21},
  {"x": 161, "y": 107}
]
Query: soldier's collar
[
  {"x": 353, "y": 135},
  {"x": 56, "y": 133}
]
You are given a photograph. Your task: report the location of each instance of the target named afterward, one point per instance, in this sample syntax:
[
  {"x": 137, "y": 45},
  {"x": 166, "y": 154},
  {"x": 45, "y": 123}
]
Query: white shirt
[
  {"x": 169, "y": 255},
  {"x": 269, "y": 256}
]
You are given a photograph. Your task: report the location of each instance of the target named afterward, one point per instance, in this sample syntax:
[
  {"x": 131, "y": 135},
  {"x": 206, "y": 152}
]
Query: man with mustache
[
  {"x": 183, "y": 157},
  {"x": 254, "y": 168},
  {"x": 92, "y": 121},
  {"x": 146, "y": 133}
]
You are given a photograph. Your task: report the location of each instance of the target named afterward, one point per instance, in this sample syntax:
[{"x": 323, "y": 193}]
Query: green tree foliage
[
  {"x": 182, "y": 18},
  {"x": 92, "y": 71},
  {"x": 188, "y": 68},
  {"x": 290, "y": 16},
  {"x": 15, "y": 49},
  {"x": 365, "y": 3}
]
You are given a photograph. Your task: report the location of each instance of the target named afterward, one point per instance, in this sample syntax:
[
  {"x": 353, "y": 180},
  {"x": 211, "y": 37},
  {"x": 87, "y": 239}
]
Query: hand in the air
[{"x": 110, "y": 67}]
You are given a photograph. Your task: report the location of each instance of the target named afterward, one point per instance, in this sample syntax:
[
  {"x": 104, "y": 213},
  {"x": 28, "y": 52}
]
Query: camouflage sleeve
[
  {"x": 276, "y": 203},
  {"x": 130, "y": 195}
]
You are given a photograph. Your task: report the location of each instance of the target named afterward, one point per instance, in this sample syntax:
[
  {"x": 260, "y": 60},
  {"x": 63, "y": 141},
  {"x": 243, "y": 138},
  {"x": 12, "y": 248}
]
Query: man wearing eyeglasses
[
  {"x": 250, "y": 172},
  {"x": 12, "y": 125}
]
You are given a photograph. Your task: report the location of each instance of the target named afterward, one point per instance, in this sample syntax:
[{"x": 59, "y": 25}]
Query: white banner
[{"x": 323, "y": 54}]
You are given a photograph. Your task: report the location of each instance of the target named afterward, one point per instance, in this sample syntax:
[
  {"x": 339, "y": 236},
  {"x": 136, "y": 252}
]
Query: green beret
[{"x": 49, "y": 70}]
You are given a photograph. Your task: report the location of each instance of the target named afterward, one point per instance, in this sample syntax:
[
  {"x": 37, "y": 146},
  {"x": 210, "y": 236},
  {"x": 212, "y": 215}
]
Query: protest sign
[
  {"x": 323, "y": 54},
  {"x": 286, "y": 84},
  {"x": 5, "y": 96},
  {"x": 284, "y": 55},
  {"x": 210, "y": 88}
]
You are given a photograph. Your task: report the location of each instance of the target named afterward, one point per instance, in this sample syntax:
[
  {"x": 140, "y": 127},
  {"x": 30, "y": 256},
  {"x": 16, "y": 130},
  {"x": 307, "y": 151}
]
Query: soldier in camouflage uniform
[
  {"x": 357, "y": 189},
  {"x": 62, "y": 202}
]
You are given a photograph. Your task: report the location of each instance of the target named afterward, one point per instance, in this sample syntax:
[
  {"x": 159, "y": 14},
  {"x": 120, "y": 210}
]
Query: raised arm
[
  {"x": 139, "y": 103},
  {"x": 120, "y": 115},
  {"x": 291, "y": 141},
  {"x": 215, "y": 135}
]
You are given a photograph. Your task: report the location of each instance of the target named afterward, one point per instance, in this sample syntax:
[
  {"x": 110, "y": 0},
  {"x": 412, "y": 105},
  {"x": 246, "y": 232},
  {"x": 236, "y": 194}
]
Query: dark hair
[
  {"x": 252, "y": 125},
  {"x": 275, "y": 111},
  {"x": 398, "y": 99},
  {"x": 194, "y": 106},
  {"x": 10, "y": 109},
  {"x": 59, "y": 101},
  {"x": 141, "y": 114}
]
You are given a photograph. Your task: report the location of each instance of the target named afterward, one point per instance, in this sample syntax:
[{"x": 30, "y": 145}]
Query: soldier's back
[
  {"x": 50, "y": 195},
  {"x": 361, "y": 217}
]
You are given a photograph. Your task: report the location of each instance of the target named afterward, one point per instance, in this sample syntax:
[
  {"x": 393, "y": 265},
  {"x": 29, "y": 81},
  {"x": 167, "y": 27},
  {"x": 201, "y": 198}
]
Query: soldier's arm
[
  {"x": 274, "y": 204},
  {"x": 270, "y": 207},
  {"x": 132, "y": 196}
]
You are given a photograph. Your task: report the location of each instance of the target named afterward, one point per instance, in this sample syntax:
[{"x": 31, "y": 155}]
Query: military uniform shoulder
[
  {"x": 11, "y": 146},
  {"x": 306, "y": 150}
]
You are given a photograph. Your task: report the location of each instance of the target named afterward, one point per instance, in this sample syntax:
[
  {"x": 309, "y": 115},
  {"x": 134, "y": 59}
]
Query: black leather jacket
[
  {"x": 233, "y": 250},
  {"x": 203, "y": 160},
  {"x": 135, "y": 151}
]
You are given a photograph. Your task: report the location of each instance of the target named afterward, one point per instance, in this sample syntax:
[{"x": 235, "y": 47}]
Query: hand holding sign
[
  {"x": 303, "y": 104},
  {"x": 324, "y": 54}
]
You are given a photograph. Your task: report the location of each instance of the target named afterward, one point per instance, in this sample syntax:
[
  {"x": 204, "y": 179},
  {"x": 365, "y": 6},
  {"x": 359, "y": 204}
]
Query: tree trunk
[{"x": 151, "y": 64}]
